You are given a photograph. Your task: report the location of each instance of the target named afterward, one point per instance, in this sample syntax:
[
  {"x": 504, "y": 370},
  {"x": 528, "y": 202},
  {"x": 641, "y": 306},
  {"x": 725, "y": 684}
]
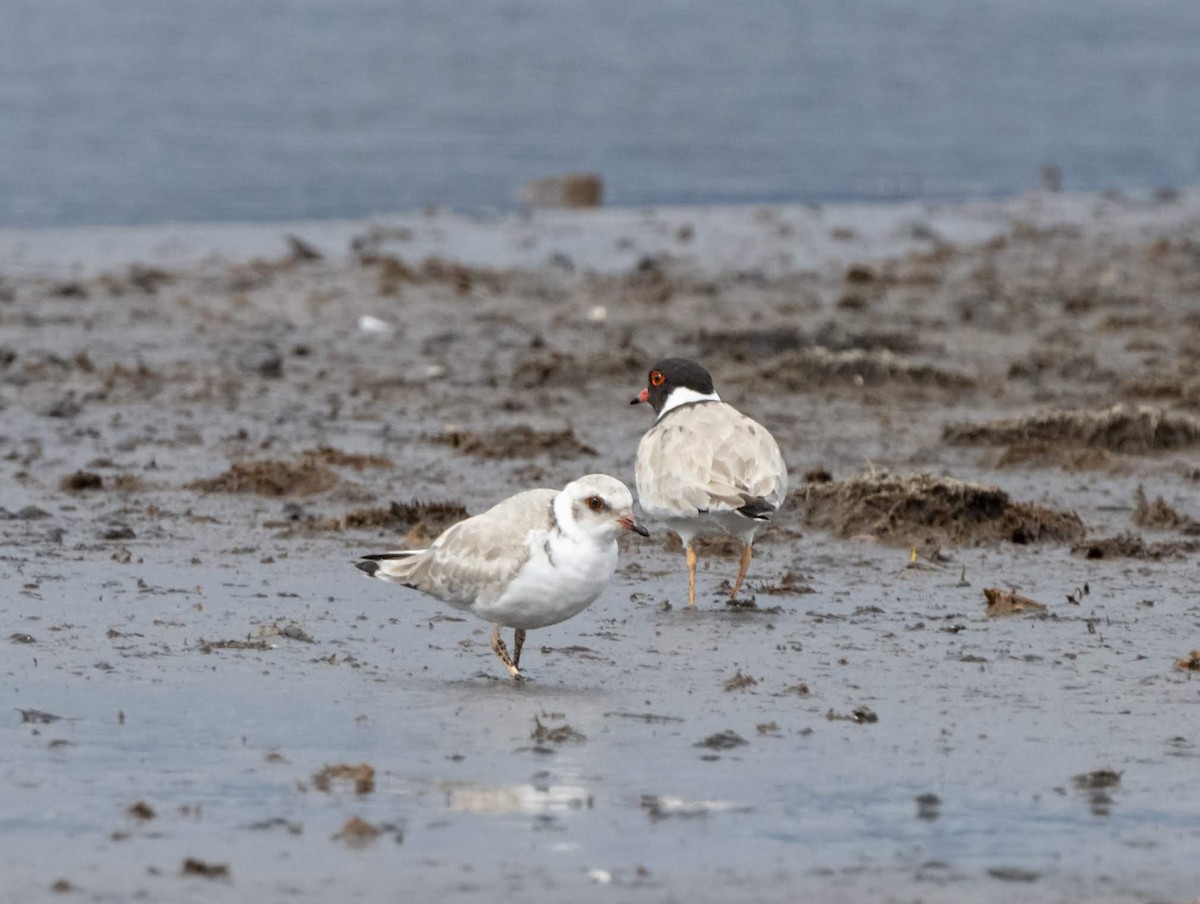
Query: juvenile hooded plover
[
  {"x": 533, "y": 560},
  {"x": 704, "y": 467}
]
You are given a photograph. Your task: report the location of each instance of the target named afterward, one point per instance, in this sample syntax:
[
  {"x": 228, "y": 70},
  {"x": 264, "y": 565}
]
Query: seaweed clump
[
  {"x": 1121, "y": 428},
  {"x": 923, "y": 508}
]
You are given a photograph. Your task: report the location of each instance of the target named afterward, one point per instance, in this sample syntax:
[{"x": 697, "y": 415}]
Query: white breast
[{"x": 561, "y": 578}]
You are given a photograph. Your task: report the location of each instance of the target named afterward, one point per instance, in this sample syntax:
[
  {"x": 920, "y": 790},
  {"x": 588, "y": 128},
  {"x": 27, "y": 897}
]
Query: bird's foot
[
  {"x": 518, "y": 643},
  {"x": 746, "y": 602},
  {"x": 501, "y": 652}
]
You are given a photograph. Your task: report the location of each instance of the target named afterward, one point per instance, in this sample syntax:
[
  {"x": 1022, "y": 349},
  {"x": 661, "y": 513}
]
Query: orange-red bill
[{"x": 635, "y": 526}]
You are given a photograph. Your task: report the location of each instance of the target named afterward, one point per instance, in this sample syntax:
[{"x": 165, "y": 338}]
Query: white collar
[{"x": 681, "y": 395}]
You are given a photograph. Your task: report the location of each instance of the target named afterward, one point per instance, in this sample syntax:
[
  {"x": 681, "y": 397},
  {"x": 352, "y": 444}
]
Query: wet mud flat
[{"x": 964, "y": 669}]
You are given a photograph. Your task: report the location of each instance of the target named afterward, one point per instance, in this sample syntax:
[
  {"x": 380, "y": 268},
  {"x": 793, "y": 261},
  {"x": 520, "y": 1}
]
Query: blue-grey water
[{"x": 140, "y": 111}]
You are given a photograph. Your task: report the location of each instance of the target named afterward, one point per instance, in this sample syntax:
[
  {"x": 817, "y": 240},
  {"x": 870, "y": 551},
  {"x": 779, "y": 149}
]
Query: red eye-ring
[{"x": 657, "y": 378}]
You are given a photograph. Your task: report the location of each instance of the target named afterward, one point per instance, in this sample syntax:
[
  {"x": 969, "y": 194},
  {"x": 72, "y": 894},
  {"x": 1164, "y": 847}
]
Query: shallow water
[
  {"x": 143, "y": 112},
  {"x": 471, "y": 801}
]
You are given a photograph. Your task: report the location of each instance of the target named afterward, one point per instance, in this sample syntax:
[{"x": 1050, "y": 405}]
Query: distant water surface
[{"x": 141, "y": 111}]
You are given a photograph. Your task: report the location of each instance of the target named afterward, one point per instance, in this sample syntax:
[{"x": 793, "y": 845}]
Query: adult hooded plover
[
  {"x": 704, "y": 467},
  {"x": 533, "y": 560}
]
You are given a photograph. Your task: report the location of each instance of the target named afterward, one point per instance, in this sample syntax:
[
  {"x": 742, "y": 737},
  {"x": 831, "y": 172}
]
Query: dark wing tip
[
  {"x": 757, "y": 508},
  {"x": 390, "y": 556},
  {"x": 367, "y": 565}
]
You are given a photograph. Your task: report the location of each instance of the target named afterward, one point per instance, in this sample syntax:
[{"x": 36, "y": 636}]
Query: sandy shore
[{"x": 202, "y": 431}]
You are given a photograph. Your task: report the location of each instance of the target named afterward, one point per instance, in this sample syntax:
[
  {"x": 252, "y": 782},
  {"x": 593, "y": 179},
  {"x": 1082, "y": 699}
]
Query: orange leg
[
  {"x": 691, "y": 560},
  {"x": 743, "y": 567}
]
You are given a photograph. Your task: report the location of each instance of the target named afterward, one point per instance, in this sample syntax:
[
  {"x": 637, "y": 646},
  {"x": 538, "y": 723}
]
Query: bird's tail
[
  {"x": 396, "y": 567},
  {"x": 757, "y": 508}
]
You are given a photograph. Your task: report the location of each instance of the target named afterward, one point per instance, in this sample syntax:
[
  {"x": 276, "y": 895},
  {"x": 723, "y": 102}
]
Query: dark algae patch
[
  {"x": 1013, "y": 874},
  {"x": 1161, "y": 515},
  {"x": 1133, "y": 546},
  {"x": 194, "y": 866},
  {"x": 82, "y": 481},
  {"x": 740, "y": 682},
  {"x": 1190, "y": 662},
  {"x": 336, "y": 458},
  {"x": 723, "y": 740},
  {"x": 271, "y": 478},
  {"x": 357, "y": 832},
  {"x": 1129, "y": 430},
  {"x": 860, "y": 715},
  {"x": 1095, "y": 787},
  {"x": 141, "y": 810},
  {"x": 37, "y": 717},
  {"x": 1006, "y": 602},
  {"x": 209, "y": 646},
  {"x": 520, "y": 441},
  {"x": 1041, "y": 453},
  {"x": 817, "y": 368},
  {"x": 1100, "y": 778},
  {"x": 362, "y": 777},
  {"x": 547, "y": 366},
  {"x": 554, "y": 734},
  {"x": 923, "y": 508},
  {"x": 431, "y": 517}
]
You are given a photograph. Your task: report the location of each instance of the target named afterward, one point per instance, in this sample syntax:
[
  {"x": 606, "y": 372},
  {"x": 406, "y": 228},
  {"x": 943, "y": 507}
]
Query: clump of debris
[
  {"x": 1130, "y": 430},
  {"x": 920, "y": 509},
  {"x": 520, "y": 441},
  {"x": 271, "y": 478}
]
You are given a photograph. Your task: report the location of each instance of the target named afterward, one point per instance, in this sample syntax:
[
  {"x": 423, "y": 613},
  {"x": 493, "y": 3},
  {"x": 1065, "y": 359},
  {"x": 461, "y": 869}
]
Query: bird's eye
[
  {"x": 657, "y": 378},
  {"x": 595, "y": 503}
]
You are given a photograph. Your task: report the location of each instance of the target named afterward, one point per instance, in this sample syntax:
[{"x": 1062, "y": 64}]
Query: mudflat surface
[{"x": 196, "y": 448}]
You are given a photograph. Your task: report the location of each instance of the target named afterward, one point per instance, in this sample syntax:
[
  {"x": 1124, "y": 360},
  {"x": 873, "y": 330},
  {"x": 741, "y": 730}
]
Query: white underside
[
  {"x": 727, "y": 523},
  {"x": 552, "y": 588}
]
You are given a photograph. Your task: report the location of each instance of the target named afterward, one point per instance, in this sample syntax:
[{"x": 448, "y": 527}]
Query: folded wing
[
  {"x": 473, "y": 560},
  {"x": 710, "y": 457}
]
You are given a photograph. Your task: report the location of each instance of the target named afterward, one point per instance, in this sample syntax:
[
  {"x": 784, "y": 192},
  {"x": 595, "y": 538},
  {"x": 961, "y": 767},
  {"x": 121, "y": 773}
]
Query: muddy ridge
[
  {"x": 818, "y": 368},
  {"x": 923, "y": 509},
  {"x": 519, "y": 441},
  {"x": 418, "y": 522},
  {"x": 1134, "y": 546},
  {"x": 270, "y": 478},
  {"x": 1124, "y": 429}
]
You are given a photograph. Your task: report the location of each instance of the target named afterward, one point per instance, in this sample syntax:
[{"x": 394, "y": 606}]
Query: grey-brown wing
[
  {"x": 710, "y": 457},
  {"x": 476, "y": 558}
]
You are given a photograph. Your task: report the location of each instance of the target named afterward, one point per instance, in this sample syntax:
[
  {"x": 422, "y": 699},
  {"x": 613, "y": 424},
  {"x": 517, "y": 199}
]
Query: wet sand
[{"x": 200, "y": 436}]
